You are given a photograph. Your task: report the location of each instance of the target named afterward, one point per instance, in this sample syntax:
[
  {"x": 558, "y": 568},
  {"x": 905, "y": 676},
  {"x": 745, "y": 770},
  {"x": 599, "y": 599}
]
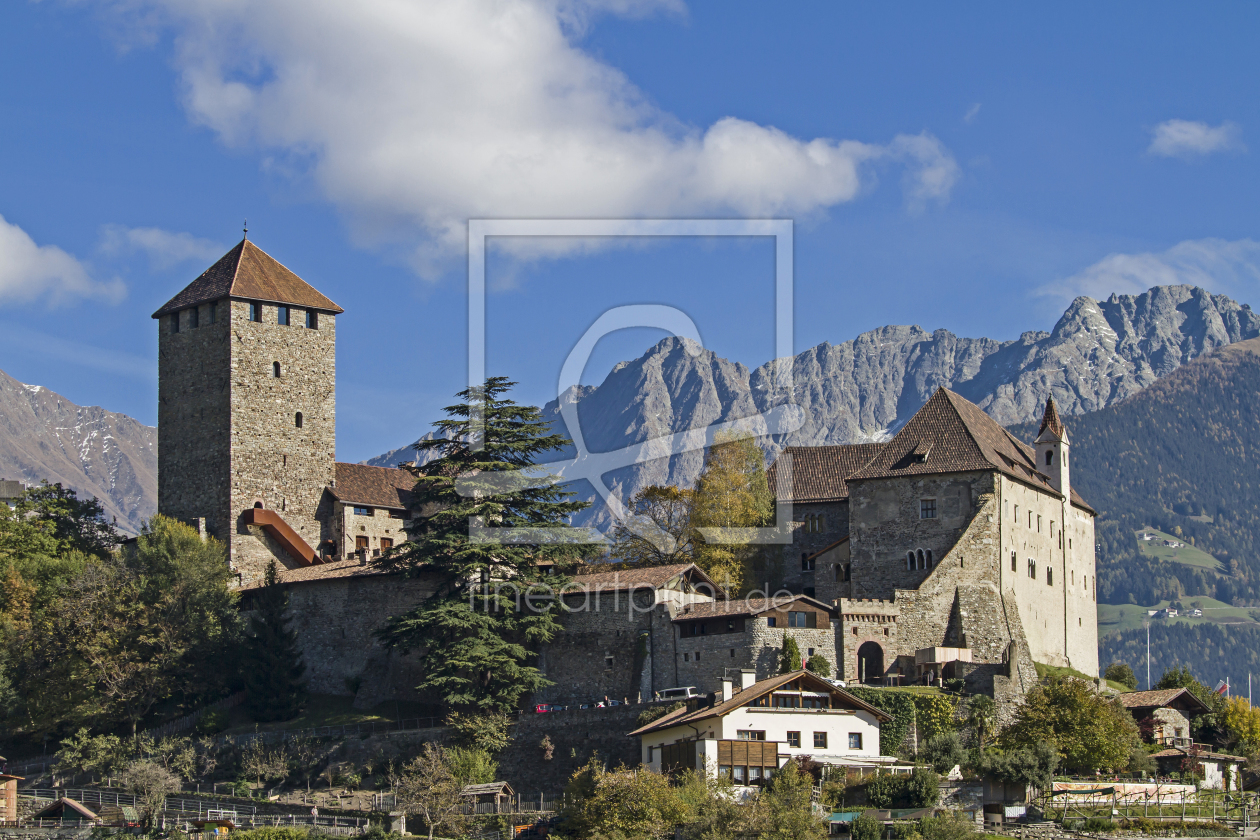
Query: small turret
[{"x": 1052, "y": 449}]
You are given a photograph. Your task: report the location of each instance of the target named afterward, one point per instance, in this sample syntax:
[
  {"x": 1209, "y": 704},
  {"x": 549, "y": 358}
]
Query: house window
[
  {"x": 802, "y": 619},
  {"x": 807, "y": 563},
  {"x": 275, "y": 369},
  {"x": 212, "y": 312},
  {"x": 174, "y": 323},
  {"x": 362, "y": 511},
  {"x": 360, "y": 543},
  {"x": 312, "y": 319},
  {"x": 820, "y": 740},
  {"x": 794, "y": 740},
  {"x": 194, "y": 317},
  {"x": 649, "y": 758},
  {"x": 855, "y": 740},
  {"x": 297, "y": 419},
  {"x": 1032, "y": 568},
  {"x": 750, "y": 735},
  {"x": 1049, "y": 576},
  {"x": 1014, "y": 563},
  {"x": 386, "y": 543},
  {"x": 398, "y": 514},
  {"x": 927, "y": 508},
  {"x": 1039, "y": 523},
  {"x": 771, "y": 621},
  {"x": 1016, "y": 513},
  {"x": 1030, "y": 516},
  {"x": 255, "y": 312},
  {"x": 282, "y": 316}
]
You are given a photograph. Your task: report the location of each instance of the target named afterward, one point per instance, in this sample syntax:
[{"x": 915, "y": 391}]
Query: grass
[
  {"x": 1187, "y": 555},
  {"x": 1044, "y": 670},
  {"x": 1116, "y": 618},
  {"x": 327, "y": 710}
]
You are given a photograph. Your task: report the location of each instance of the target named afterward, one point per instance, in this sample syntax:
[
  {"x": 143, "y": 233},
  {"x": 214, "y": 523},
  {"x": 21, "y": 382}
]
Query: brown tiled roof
[
  {"x": 818, "y": 472},
  {"x": 1177, "y": 752},
  {"x": 385, "y": 487},
  {"x": 744, "y": 606},
  {"x": 248, "y": 271},
  {"x": 1159, "y": 698},
  {"x": 951, "y": 434},
  {"x": 1050, "y": 420},
  {"x": 644, "y": 577},
  {"x": 749, "y": 694}
]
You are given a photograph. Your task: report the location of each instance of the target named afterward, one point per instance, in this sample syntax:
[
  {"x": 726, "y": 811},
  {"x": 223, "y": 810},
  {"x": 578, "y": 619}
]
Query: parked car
[
  {"x": 682, "y": 693},
  {"x": 543, "y": 708}
]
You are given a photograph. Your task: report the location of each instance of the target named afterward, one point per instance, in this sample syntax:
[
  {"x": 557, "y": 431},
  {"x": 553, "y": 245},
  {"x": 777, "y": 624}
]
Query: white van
[{"x": 684, "y": 693}]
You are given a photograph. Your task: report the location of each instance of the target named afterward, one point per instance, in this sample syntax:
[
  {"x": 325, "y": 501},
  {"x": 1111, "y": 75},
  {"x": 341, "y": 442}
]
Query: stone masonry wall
[
  {"x": 194, "y": 423},
  {"x": 576, "y": 735},
  {"x": 601, "y": 652},
  {"x": 343, "y": 526},
  {"x": 702, "y": 661},
  {"x": 814, "y": 527},
  {"x": 273, "y": 461}
]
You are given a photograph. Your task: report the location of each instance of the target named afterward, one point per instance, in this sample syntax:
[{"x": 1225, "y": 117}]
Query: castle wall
[
  {"x": 814, "y": 527},
  {"x": 194, "y": 422},
  {"x": 829, "y": 575},
  {"x": 702, "y": 661},
  {"x": 603, "y": 651},
  {"x": 273, "y": 461}
]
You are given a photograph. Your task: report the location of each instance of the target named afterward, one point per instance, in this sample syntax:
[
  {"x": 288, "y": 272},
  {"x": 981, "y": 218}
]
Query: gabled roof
[
  {"x": 1163, "y": 697},
  {"x": 1051, "y": 425},
  {"x": 1178, "y": 752},
  {"x": 757, "y": 689},
  {"x": 819, "y": 472},
  {"x": 951, "y": 434},
  {"x": 686, "y": 575},
  {"x": 745, "y": 606},
  {"x": 384, "y": 487},
  {"x": 497, "y": 788},
  {"x": 57, "y": 807},
  {"x": 249, "y": 272}
]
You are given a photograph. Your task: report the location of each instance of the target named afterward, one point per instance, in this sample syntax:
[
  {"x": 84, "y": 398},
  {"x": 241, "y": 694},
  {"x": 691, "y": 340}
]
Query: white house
[{"x": 749, "y": 732}]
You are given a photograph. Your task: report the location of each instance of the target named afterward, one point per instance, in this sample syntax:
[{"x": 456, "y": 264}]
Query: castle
[{"x": 952, "y": 550}]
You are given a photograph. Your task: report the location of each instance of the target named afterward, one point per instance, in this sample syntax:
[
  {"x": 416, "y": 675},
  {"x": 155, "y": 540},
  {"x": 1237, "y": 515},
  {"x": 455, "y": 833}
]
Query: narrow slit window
[
  {"x": 1049, "y": 456},
  {"x": 1049, "y": 576},
  {"x": 297, "y": 419},
  {"x": 212, "y": 312},
  {"x": 174, "y": 323},
  {"x": 1014, "y": 563},
  {"x": 194, "y": 317},
  {"x": 275, "y": 371}
]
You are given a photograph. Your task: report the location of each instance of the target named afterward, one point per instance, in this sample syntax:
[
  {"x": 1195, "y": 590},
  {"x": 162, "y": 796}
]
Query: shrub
[
  {"x": 656, "y": 713},
  {"x": 943, "y": 751},
  {"x": 212, "y": 722},
  {"x": 273, "y": 833},
  {"x": 819, "y": 665},
  {"x": 919, "y": 789},
  {"x": 951, "y": 826},
  {"x": 867, "y": 828}
]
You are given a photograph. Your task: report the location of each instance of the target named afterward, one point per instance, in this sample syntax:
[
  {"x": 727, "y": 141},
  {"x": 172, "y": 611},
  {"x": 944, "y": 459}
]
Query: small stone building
[{"x": 1164, "y": 715}]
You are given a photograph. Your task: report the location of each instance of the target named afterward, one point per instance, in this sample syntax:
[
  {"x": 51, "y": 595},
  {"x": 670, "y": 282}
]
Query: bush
[
  {"x": 943, "y": 751},
  {"x": 866, "y": 828},
  {"x": 212, "y": 722},
  {"x": 819, "y": 665},
  {"x": 952, "y": 826},
  {"x": 656, "y": 713},
  {"x": 919, "y": 789},
  {"x": 273, "y": 833}
]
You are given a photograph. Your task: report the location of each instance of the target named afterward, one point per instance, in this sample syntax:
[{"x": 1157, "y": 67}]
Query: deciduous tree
[
  {"x": 732, "y": 497},
  {"x": 659, "y": 531},
  {"x": 1090, "y": 732},
  {"x": 428, "y": 788}
]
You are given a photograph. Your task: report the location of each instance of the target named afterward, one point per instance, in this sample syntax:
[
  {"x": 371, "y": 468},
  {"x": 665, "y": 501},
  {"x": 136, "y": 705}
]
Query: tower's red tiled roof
[
  {"x": 249, "y": 272},
  {"x": 819, "y": 472},
  {"x": 1050, "y": 420},
  {"x": 385, "y": 487}
]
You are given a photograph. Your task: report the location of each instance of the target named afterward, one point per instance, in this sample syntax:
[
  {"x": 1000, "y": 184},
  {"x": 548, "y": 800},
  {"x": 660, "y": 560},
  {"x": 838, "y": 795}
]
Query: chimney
[
  {"x": 746, "y": 679},
  {"x": 728, "y": 688}
]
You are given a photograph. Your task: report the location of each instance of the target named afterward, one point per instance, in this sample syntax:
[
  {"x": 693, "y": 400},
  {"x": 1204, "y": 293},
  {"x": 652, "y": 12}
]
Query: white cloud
[
  {"x": 972, "y": 113},
  {"x": 412, "y": 117},
  {"x": 1221, "y": 266},
  {"x": 164, "y": 248},
  {"x": 29, "y": 272},
  {"x": 1184, "y": 138}
]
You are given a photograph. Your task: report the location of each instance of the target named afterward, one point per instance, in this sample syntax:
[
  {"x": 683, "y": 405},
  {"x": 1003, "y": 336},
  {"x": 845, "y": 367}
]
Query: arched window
[
  {"x": 919, "y": 558},
  {"x": 910, "y": 560},
  {"x": 275, "y": 369},
  {"x": 1049, "y": 456},
  {"x": 297, "y": 419},
  {"x": 929, "y": 559}
]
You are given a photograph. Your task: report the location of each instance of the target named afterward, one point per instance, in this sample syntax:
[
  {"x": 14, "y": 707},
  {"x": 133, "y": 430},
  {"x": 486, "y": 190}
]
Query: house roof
[
  {"x": 682, "y": 716},
  {"x": 1162, "y": 697},
  {"x": 819, "y": 472},
  {"x": 249, "y": 272},
  {"x": 360, "y": 484},
  {"x": 745, "y": 606},
  {"x": 648, "y": 577},
  {"x": 491, "y": 787},
  {"x": 1177, "y": 752},
  {"x": 951, "y": 434},
  {"x": 60, "y": 805}
]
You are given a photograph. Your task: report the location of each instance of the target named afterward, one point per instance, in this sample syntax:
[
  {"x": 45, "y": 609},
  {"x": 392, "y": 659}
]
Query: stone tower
[
  {"x": 1052, "y": 450},
  {"x": 247, "y": 409}
]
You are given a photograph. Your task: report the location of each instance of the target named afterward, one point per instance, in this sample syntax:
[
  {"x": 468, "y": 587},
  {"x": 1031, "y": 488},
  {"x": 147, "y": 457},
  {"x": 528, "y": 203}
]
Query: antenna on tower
[{"x": 246, "y": 228}]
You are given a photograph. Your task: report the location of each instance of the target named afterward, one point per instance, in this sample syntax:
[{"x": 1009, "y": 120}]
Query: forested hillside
[
  {"x": 1210, "y": 651},
  {"x": 1181, "y": 456}
]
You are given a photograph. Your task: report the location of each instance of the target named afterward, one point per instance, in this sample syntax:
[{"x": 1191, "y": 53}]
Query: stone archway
[{"x": 870, "y": 658}]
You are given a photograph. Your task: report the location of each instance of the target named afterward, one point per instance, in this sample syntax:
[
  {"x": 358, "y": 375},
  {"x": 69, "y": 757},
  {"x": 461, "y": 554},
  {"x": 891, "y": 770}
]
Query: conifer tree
[
  {"x": 493, "y": 603},
  {"x": 790, "y": 655},
  {"x": 272, "y": 664}
]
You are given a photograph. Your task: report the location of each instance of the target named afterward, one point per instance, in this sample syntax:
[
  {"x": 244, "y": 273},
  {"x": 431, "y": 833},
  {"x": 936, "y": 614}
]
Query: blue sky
[{"x": 969, "y": 167}]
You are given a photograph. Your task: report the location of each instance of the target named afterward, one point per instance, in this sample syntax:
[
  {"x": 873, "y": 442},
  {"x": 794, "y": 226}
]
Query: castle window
[
  {"x": 312, "y": 319},
  {"x": 848, "y": 571},
  {"x": 910, "y": 560},
  {"x": 1016, "y": 513},
  {"x": 255, "y": 311},
  {"x": 927, "y": 508},
  {"x": 1049, "y": 456},
  {"x": 275, "y": 369},
  {"x": 297, "y": 419},
  {"x": 807, "y": 563},
  {"x": 362, "y": 511},
  {"x": 608, "y": 661},
  {"x": 1014, "y": 563},
  {"x": 1039, "y": 523},
  {"x": 929, "y": 558},
  {"x": 282, "y": 316},
  {"x": 174, "y": 323},
  {"x": 402, "y": 514},
  {"x": 194, "y": 317},
  {"x": 1049, "y": 576},
  {"x": 1032, "y": 568},
  {"x": 918, "y": 556},
  {"x": 212, "y": 312}
]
